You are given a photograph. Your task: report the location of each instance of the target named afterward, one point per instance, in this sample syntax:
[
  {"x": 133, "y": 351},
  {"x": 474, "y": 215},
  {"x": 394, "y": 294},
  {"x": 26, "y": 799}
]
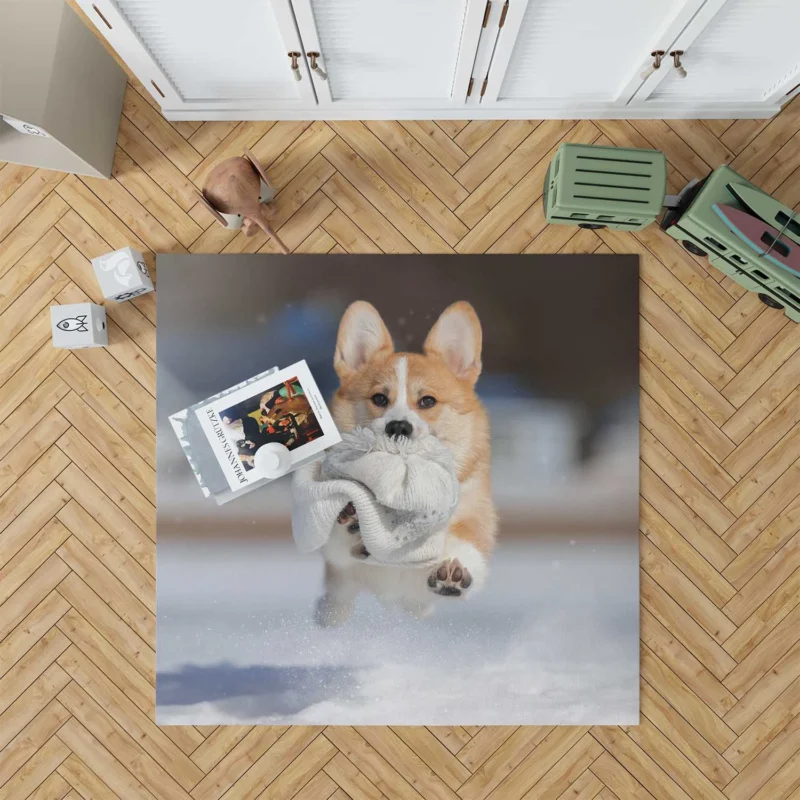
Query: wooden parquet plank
[
  {"x": 34, "y": 736},
  {"x": 720, "y": 472},
  {"x": 502, "y": 762},
  {"x": 84, "y": 782},
  {"x": 681, "y": 516},
  {"x": 36, "y": 770},
  {"x": 386, "y": 200},
  {"x": 110, "y": 517},
  {"x": 435, "y": 755},
  {"x": 759, "y": 581},
  {"x": 494, "y": 152},
  {"x": 681, "y": 554},
  {"x": 150, "y": 159},
  {"x": 453, "y": 737},
  {"x": 110, "y": 479},
  {"x": 347, "y": 777},
  {"x": 618, "y": 781},
  {"x": 506, "y": 193},
  {"x": 147, "y": 119},
  {"x": 18, "y": 279},
  {"x": 31, "y": 629},
  {"x": 768, "y": 615},
  {"x": 99, "y": 543},
  {"x": 98, "y": 759},
  {"x": 437, "y": 143},
  {"x": 692, "y": 635},
  {"x": 476, "y": 133},
  {"x": 30, "y": 231},
  {"x": 293, "y": 158},
  {"x": 236, "y": 762},
  {"x": 419, "y": 161},
  {"x": 104, "y": 404},
  {"x": 32, "y": 192},
  {"x": 675, "y": 583},
  {"x": 152, "y": 197},
  {"x": 122, "y": 638},
  {"x": 28, "y": 423},
  {"x": 12, "y": 176},
  {"x": 103, "y": 654},
  {"x": 374, "y": 225},
  {"x": 677, "y": 658},
  {"x": 138, "y": 470},
  {"x": 679, "y": 734}
]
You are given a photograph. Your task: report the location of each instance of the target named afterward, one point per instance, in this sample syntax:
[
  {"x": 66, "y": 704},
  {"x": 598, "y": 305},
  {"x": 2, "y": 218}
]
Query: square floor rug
[{"x": 491, "y": 580}]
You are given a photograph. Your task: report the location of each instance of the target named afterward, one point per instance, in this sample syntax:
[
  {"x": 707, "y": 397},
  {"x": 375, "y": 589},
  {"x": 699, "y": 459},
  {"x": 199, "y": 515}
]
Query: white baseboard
[{"x": 651, "y": 111}]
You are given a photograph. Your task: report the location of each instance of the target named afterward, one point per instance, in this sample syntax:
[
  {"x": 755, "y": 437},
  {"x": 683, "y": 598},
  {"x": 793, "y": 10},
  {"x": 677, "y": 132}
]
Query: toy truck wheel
[
  {"x": 592, "y": 226},
  {"x": 769, "y": 301},
  {"x": 693, "y": 248}
]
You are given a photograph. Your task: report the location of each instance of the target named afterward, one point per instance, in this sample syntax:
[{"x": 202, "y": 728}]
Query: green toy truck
[
  {"x": 702, "y": 232},
  {"x": 609, "y": 187},
  {"x": 605, "y": 187}
]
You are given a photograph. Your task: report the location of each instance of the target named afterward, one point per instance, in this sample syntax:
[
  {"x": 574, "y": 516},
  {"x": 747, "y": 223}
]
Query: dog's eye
[
  {"x": 427, "y": 401},
  {"x": 380, "y": 399}
]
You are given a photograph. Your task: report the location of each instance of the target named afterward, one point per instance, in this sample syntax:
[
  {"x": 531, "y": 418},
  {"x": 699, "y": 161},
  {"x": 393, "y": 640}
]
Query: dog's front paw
[
  {"x": 347, "y": 516},
  {"x": 450, "y": 579}
]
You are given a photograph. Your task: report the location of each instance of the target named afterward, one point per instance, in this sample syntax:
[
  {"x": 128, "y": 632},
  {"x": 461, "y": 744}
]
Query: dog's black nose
[{"x": 399, "y": 427}]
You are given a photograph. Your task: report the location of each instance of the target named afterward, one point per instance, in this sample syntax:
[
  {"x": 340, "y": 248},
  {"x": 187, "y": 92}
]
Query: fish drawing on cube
[
  {"x": 122, "y": 275},
  {"x": 78, "y": 325}
]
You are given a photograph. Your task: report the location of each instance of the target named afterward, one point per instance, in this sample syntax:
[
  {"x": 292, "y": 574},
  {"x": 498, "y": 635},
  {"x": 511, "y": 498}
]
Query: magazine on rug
[{"x": 285, "y": 407}]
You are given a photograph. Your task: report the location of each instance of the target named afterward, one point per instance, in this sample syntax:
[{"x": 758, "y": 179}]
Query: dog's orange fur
[{"x": 447, "y": 370}]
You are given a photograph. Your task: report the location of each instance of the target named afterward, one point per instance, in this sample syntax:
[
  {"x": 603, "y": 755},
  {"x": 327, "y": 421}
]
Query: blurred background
[{"x": 552, "y": 639}]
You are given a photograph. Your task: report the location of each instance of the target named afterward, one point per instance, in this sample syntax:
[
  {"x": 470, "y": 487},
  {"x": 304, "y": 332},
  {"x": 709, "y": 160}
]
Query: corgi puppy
[{"x": 411, "y": 394}]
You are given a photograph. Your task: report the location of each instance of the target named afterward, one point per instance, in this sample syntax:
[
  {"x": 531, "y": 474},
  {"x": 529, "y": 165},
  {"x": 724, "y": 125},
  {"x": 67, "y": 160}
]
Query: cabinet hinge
[
  {"x": 503, "y": 15},
  {"x": 469, "y": 88},
  {"x": 483, "y": 88},
  {"x": 486, "y": 13}
]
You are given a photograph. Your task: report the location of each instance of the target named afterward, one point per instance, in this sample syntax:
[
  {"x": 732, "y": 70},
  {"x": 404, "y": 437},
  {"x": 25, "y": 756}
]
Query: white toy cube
[
  {"x": 78, "y": 325},
  {"x": 122, "y": 274}
]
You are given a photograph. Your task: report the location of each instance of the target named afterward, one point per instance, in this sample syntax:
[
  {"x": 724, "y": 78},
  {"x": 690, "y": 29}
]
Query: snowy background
[{"x": 551, "y": 639}]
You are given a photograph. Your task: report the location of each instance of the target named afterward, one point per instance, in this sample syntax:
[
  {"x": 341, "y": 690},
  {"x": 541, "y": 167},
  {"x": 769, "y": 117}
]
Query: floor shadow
[{"x": 254, "y": 690}]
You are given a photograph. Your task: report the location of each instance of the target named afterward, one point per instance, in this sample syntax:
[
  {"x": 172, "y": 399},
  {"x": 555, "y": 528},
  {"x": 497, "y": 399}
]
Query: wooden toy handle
[{"x": 263, "y": 223}]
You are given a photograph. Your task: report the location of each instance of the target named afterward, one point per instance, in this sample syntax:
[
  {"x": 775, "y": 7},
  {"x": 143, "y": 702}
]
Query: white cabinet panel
[
  {"x": 390, "y": 52},
  {"x": 580, "y": 51},
  {"x": 749, "y": 51},
  {"x": 447, "y": 59},
  {"x": 579, "y": 54},
  {"x": 208, "y": 53}
]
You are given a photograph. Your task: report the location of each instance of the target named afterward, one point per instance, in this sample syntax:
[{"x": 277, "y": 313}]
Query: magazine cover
[{"x": 286, "y": 407}]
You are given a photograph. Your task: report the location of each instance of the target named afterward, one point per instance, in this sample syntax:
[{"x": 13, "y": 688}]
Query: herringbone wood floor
[{"x": 720, "y": 412}]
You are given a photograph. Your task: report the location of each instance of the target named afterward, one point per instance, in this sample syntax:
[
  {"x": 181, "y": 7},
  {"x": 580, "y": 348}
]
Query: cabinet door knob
[
  {"x": 676, "y": 58},
  {"x": 657, "y": 56},
  {"x": 294, "y": 55},
  {"x": 313, "y": 56}
]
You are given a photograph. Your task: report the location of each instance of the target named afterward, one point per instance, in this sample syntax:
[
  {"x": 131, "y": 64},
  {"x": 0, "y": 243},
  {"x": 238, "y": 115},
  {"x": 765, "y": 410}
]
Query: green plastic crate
[
  {"x": 614, "y": 187},
  {"x": 700, "y": 229}
]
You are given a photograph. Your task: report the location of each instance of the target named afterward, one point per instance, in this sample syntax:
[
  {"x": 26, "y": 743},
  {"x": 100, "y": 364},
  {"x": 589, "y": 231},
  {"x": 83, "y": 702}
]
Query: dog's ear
[
  {"x": 456, "y": 338},
  {"x": 362, "y": 336}
]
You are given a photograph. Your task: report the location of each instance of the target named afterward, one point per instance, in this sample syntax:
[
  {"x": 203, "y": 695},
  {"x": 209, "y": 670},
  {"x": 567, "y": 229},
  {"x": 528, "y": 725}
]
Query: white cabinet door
[
  {"x": 735, "y": 51},
  {"x": 577, "y": 54},
  {"x": 208, "y": 54},
  {"x": 384, "y": 54}
]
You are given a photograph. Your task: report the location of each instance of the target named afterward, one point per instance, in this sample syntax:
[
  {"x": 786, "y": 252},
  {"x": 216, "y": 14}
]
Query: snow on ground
[{"x": 552, "y": 639}]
